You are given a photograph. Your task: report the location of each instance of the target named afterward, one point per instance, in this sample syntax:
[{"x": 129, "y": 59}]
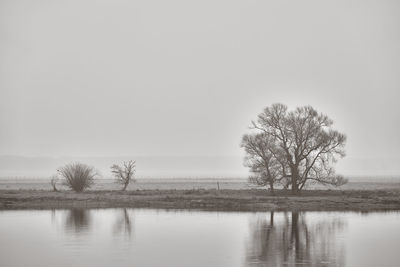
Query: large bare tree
[{"x": 296, "y": 147}]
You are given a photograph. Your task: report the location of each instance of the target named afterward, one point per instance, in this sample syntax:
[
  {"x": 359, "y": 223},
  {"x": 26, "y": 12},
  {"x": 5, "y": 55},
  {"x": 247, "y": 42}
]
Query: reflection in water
[
  {"x": 293, "y": 241},
  {"x": 53, "y": 216},
  {"x": 123, "y": 225},
  {"x": 100, "y": 238},
  {"x": 77, "y": 220}
]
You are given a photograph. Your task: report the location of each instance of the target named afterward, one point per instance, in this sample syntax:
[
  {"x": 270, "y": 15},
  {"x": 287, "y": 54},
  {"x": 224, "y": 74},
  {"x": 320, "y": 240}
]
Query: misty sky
[{"x": 185, "y": 78}]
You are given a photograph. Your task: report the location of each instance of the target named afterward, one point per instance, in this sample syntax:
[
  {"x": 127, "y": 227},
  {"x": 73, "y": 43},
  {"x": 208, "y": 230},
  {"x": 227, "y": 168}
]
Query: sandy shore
[{"x": 235, "y": 200}]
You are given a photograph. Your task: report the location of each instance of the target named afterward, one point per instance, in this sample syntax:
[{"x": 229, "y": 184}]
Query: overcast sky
[{"x": 179, "y": 77}]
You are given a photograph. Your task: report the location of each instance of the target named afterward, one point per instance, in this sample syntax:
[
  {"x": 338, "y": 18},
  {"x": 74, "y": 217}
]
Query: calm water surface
[{"x": 131, "y": 237}]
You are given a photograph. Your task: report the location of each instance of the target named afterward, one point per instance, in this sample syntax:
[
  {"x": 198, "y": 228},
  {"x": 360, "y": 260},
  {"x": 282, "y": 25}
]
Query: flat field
[
  {"x": 233, "y": 195},
  {"x": 359, "y": 183}
]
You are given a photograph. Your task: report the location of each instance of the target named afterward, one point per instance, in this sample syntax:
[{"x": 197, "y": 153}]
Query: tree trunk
[
  {"x": 295, "y": 178},
  {"x": 125, "y": 186},
  {"x": 271, "y": 186},
  {"x": 295, "y": 188}
]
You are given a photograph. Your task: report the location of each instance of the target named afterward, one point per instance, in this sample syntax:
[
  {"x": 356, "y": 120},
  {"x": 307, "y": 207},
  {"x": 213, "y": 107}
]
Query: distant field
[{"x": 364, "y": 183}]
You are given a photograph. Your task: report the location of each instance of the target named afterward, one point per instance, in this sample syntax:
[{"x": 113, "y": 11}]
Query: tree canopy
[{"x": 293, "y": 148}]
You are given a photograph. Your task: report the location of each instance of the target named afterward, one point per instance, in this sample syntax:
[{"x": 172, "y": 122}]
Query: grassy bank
[{"x": 232, "y": 200}]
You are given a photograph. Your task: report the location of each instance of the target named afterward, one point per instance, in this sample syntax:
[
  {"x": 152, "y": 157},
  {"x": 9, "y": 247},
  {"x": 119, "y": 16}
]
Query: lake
[{"x": 146, "y": 237}]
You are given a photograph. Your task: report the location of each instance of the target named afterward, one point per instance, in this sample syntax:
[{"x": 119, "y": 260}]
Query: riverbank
[
  {"x": 355, "y": 183},
  {"x": 229, "y": 200}
]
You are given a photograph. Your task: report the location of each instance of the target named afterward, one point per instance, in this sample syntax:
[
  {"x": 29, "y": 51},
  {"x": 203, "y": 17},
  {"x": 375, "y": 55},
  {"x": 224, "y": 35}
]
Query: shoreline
[{"x": 206, "y": 199}]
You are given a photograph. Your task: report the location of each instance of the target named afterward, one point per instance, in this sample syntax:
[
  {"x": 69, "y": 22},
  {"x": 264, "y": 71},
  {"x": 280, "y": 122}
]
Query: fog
[{"x": 181, "y": 79}]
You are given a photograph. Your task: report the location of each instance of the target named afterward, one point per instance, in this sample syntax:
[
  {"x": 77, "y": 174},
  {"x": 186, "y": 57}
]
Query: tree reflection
[
  {"x": 77, "y": 220},
  {"x": 292, "y": 241},
  {"x": 124, "y": 224}
]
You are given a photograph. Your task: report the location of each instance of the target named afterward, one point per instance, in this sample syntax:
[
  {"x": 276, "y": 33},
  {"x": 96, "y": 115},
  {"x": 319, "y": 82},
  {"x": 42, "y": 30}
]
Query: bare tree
[
  {"x": 302, "y": 142},
  {"x": 78, "y": 176},
  {"x": 124, "y": 174}
]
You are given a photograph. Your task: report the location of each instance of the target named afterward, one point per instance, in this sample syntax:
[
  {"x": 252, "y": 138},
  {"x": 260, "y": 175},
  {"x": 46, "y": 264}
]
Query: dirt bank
[{"x": 235, "y": 200}]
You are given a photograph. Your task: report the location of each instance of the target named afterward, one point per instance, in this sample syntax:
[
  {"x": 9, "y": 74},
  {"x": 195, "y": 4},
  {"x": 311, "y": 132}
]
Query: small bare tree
[
  {"x": 124, "y": 174},
  {"x": 78, "y": 176}
]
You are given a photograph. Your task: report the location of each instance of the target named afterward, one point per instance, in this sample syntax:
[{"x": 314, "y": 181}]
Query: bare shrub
[
  {"x": 124, "y": 174},
  {"x": 53, "y": 181},
  {"x": 78, "y": 176}
]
